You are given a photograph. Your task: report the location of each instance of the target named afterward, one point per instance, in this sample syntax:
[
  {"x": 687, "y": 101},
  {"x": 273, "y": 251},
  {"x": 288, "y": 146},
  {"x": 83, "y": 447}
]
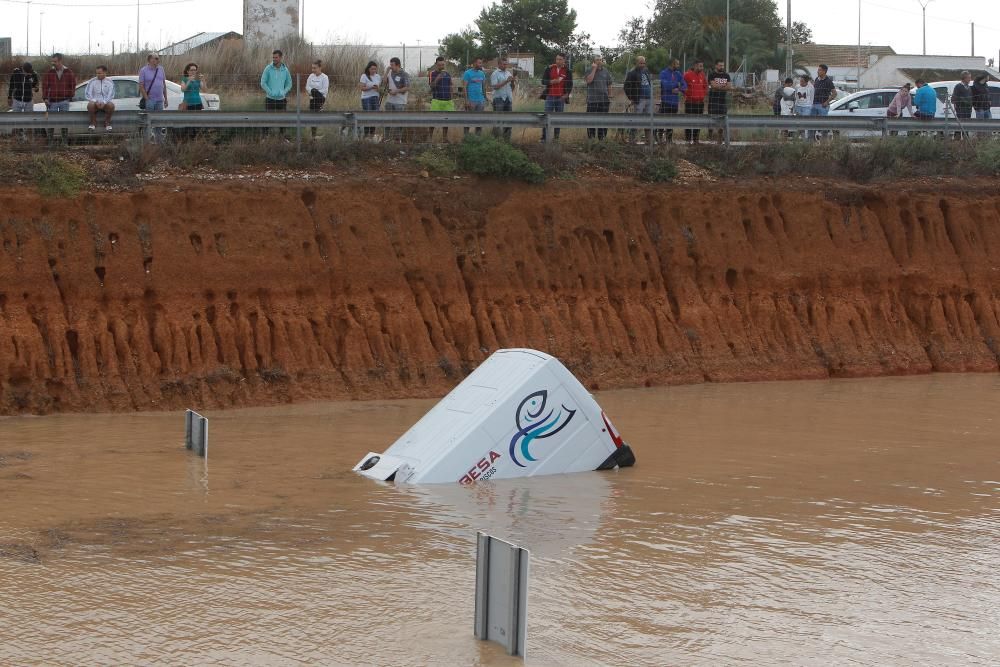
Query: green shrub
[
  {"x": 437, "y": 162},
  {"x": 988, "y": 157},
  {"x": 55, "y": 177},
  {"x": 658, "y": 170},
  {"x": 487, "y": 156}
]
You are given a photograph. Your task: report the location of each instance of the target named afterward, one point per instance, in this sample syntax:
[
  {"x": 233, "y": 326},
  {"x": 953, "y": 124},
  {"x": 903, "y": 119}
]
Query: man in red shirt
[
  {"x": 557, "y": 84},
  {"x": 694, "y": 98},
  {"x": 58, "y": 85}
]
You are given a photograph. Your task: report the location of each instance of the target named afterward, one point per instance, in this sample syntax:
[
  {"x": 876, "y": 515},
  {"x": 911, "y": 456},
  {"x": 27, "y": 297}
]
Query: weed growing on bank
[
  {"x": 881, "y": 159},
  {"x": 659, "y": 170},
  {"x": 988, "y": 158},
  {"x": 56, "y": 177},
  {"x": 438, "y": 162},
  {"x": 486, "y": 156}
]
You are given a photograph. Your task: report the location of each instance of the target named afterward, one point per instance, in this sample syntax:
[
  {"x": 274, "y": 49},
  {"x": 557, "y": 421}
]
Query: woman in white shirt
[
  {"x": 804, "y": 93},
  {"x": 100, "y": 93},
  {"x": 370, "y": 99},
  {"x": 318, "y": 87}
]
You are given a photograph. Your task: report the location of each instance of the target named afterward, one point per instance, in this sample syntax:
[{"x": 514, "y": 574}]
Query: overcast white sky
[{"x": 64, "y": 23}]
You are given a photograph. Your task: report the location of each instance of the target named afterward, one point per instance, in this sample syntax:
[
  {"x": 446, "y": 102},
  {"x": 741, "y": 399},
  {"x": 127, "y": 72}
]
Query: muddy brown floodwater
[{"x": 835, "y": 522}]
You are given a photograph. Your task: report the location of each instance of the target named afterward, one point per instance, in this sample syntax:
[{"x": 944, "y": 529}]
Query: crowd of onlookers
[
  {"x": 695, "y": 91},
  {"x": 58, "y": 87}
]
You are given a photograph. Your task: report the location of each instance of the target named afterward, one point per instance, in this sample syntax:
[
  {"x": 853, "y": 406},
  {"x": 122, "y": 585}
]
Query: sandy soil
[{"x": 222, "y": 290}]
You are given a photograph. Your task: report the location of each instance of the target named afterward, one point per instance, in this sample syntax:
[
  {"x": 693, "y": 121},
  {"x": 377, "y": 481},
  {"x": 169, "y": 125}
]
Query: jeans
[
  {"x": 982, "y": 113},
  {"x": 818, "y": 110},
  {"x": 474, "y": 107},
  {"x": 54, "y": 107},
  {"x": 598, "y": 107},
  {"x": 23, "y": 107},
  {"x": 394, "y": 133},
  {"x": 370, "y": 104},
  {"x": 155, "y": 133},
  {"x": 668, "y": 109},
  {"x": 501, "y": 105},
  {"x": 553, "y": 104},
  {"x": 642, "y": 107},
  {"x": 696, "y": 108}
]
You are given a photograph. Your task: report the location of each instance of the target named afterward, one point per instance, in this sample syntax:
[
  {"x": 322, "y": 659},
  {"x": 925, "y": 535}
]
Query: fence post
[
  {"x": 725, "y": 128},
  {"x": 546, "y": 127},
  {"x": 884, "y": 122},
  {"x": 298, "y": 113}
]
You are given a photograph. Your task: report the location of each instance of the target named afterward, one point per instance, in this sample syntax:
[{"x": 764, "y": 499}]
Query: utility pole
[
  {"x": 923, "y": 9},
  {"x": 27, "y": 29},
  {"x": 788, "y": 40},
  {"x": 89, "y": 23},
  {"x": 727, "y": 35},
  {"x": 973, "y": 54},
  {"x": 859, "y": 44},
  {"x": 40, "y": 15},
  {"x": 137, "y": 26}
]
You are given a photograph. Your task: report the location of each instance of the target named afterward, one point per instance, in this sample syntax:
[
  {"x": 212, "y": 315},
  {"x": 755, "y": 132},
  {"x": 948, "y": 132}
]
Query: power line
[
  {"x": 913, "y": 12},
  {"x": 95, "y": 4}
]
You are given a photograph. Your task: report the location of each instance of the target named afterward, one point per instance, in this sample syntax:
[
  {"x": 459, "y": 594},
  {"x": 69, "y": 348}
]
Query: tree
[
  {"x": 698, "y": 28},
  {"x": 542, "y": 27},
  {"x": 801, "y": 33},
  {"x": 463, "y": 47}
]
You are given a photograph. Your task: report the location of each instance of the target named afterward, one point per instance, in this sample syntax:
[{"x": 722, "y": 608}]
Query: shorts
[
  {"x": 195, "y": 107},
  {"x": 475, "y": 106},
  {"x": 442, "y": 105}
]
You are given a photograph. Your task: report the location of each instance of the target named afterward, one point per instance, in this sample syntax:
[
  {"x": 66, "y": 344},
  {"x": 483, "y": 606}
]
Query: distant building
[
  {"x": 202, "y": 40},
  {"x": 841, "y": 59},
  {"x": 5, "y": 48},
  {"x": 896, "y": 70},
  {"x": 524, "y": 62},
  {"x": 270, "y": 21}
]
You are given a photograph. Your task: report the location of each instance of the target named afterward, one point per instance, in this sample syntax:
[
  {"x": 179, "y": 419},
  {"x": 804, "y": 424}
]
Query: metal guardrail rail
[{"x": 354, "y": 121}]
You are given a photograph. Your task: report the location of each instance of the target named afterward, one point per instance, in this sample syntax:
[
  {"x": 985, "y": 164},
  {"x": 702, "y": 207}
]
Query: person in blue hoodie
[
  {"x": 925, "y": 101},
  {"x": 672, "y": 86},
  {"x": 276, "y": 81}
]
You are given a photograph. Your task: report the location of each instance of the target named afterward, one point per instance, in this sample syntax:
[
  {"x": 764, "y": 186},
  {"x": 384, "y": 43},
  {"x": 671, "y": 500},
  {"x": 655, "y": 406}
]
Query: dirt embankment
[{"x": 213, "y": 295}]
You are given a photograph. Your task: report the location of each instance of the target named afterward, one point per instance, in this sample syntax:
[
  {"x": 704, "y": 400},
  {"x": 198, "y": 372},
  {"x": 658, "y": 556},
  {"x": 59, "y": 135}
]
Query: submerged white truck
[{"x": 520, "y": 414}]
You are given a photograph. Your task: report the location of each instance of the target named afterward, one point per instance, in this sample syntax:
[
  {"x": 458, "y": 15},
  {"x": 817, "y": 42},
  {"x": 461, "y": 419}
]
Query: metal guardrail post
[
  {"x": 501, "y": 605},
  {"x": 725, "y": 129},
  {"x": 546, "y": 127},
  {"x": 884, "y": 124}
]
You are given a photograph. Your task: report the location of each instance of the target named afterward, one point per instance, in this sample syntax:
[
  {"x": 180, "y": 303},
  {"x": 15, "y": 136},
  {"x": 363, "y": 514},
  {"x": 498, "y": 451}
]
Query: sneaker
[
  {"x": 107, "y": 128},
  {"x": 91, "y": 128}
]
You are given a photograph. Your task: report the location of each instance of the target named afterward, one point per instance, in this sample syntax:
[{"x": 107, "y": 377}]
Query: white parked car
[
  {"x": 876, "y": 102},
  {"x": 943, "y": 90},
  {"x": 127, "y": 96}
]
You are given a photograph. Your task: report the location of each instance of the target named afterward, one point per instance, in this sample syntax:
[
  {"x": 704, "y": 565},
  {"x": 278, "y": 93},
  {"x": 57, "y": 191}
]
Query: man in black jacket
[
  {"x": 23, "y": 83},
  {"x": 961, "y": 97},
  {"x": 639, "y": 91},
  {"x": 981, "y": 97}
]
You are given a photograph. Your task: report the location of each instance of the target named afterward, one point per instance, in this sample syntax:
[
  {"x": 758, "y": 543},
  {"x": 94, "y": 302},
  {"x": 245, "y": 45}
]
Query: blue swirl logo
[{"x": 534, "y": 423}]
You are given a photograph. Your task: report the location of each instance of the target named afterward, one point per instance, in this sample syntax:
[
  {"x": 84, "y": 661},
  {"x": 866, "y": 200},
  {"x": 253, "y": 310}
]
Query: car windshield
[
  {"x": 125, "y": 89},
  {"x": 874, "y": 100}
]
